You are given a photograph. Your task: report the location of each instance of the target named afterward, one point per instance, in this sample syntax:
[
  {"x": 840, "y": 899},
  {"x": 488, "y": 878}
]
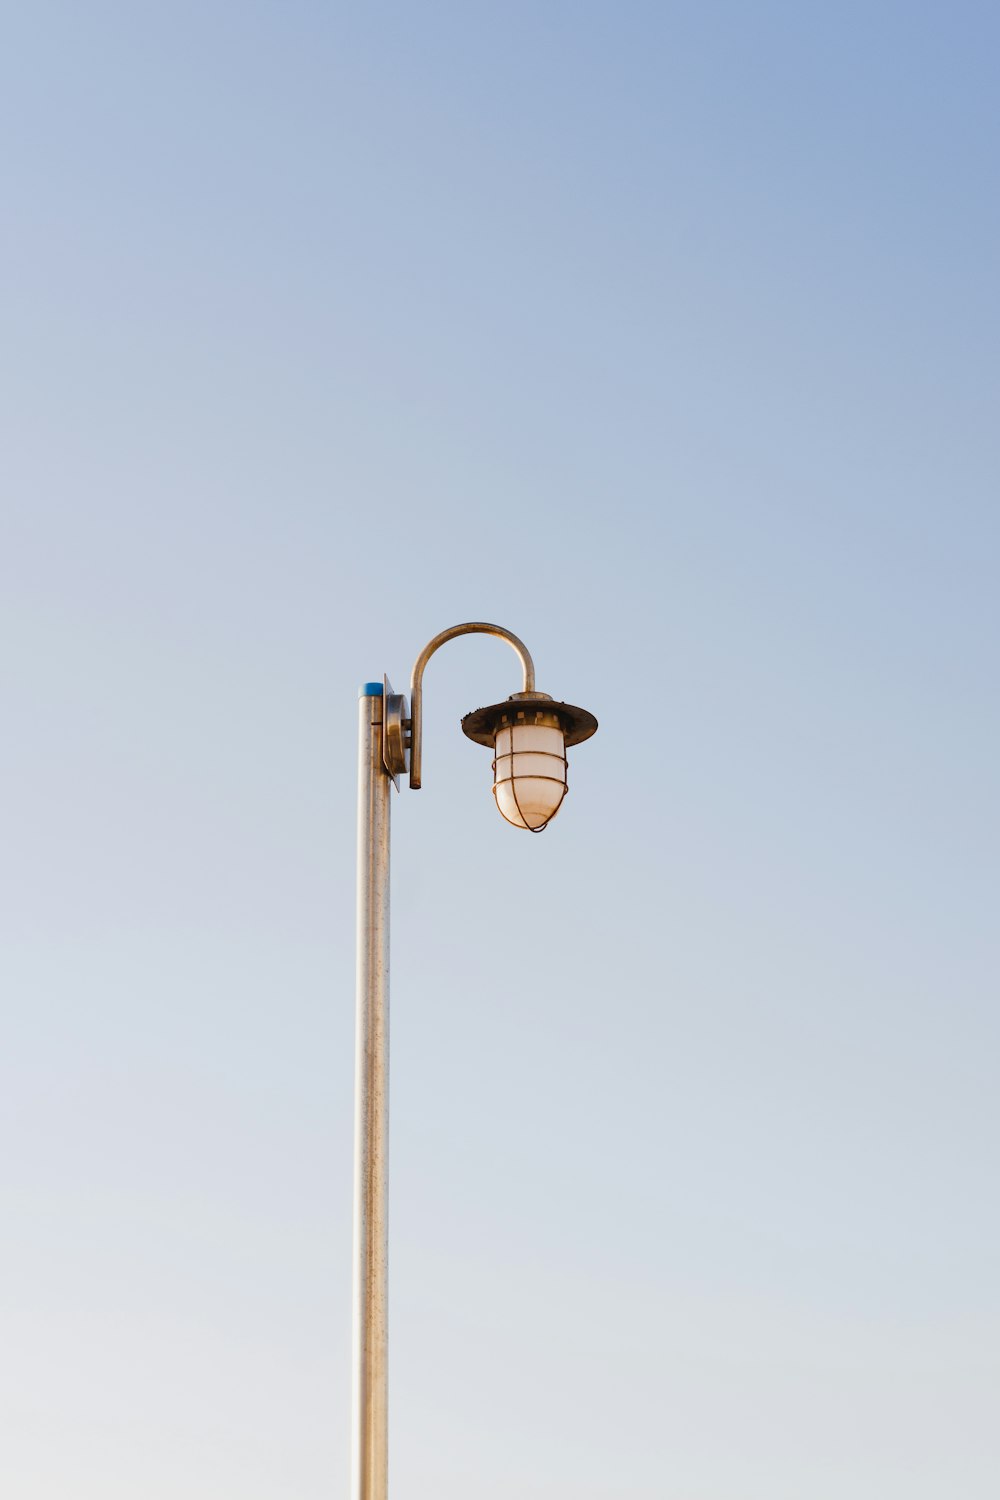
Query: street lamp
[{"x": 528, "y": 734}]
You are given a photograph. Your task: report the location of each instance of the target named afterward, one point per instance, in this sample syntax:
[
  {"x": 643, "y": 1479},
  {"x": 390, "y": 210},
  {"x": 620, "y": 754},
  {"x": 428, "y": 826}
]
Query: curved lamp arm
[{"x": 475, "y": 627}]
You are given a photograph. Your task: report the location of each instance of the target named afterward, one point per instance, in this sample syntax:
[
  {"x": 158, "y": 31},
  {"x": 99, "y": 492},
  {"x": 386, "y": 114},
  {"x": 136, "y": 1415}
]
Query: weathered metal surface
[
  {"x": 395, "y": 736},
  {"x": 475, "y": 627},
  {"x": 529, "y": 708},
  {"x": 369, "y": 1430}
]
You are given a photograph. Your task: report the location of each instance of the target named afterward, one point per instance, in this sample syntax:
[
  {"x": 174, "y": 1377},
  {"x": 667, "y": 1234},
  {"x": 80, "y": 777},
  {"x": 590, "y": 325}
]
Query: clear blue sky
[{"x": 667, "y": 336}]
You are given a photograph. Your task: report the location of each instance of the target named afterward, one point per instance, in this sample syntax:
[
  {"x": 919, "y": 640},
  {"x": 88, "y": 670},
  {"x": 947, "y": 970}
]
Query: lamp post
[{"x": 528, "y": 733}]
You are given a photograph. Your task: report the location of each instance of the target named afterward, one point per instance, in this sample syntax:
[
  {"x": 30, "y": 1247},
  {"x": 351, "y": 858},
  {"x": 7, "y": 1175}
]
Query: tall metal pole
[
  {"x": 369, "y": 1428},
  {"x": 383, "y": 712}
]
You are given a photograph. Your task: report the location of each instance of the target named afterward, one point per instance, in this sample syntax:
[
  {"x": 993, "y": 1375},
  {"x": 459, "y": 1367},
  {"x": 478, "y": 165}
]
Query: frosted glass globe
[{"x": 529, "y": 774}]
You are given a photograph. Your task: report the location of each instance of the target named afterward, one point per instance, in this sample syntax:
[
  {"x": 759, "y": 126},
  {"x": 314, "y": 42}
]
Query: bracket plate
[{"x": 395, "y": 714}]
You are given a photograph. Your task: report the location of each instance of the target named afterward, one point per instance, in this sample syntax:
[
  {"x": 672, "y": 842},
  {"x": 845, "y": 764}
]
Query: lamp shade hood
[{"x": 482, "y": 724}]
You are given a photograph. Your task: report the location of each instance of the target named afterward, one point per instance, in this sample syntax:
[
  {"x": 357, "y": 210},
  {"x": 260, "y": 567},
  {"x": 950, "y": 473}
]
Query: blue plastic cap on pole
[{"x": 370, "y": 690}]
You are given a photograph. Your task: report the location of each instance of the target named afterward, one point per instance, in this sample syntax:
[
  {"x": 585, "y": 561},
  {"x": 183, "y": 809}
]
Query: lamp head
[{"x": 529, "y": 734}]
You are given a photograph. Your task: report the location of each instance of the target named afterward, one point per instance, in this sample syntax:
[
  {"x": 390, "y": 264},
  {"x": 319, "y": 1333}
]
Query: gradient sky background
[{"x": 665, "y": 335}]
